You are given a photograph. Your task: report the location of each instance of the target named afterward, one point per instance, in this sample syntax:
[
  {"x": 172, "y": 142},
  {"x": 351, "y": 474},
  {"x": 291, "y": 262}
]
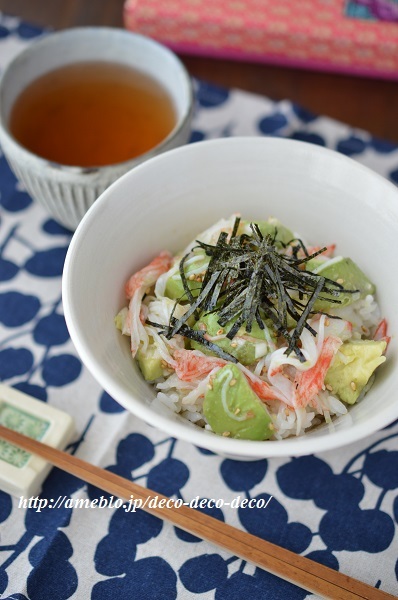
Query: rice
[{"x": 363, "y": 314}]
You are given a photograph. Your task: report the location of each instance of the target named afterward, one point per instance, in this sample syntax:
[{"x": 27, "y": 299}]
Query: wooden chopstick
[{"x": 292, "y": 567}]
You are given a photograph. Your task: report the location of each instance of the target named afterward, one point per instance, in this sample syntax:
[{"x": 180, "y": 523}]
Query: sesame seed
[
  {"x": 234, "y": 344},
  {"x": 287, "y": 412},
  {"x": 191, "y": 277},
  {"x": 353, "y": 386},
  {"x": 232, "y": 382},
  {"x": 329, "y": 387},
  {"x": 226, "y": 433},
  {"x": 327, "y": 322},
  {"x": 340, "y": 280},
  {"x": 209, "y": 386},
  {"x": 220, "y": 331},
  {"x": 237, "y": 411}
]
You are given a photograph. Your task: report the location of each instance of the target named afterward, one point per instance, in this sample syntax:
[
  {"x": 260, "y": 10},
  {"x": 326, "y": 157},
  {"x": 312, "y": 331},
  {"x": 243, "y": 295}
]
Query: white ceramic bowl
[
  {"x": 68, "y": 192},
  {"x": 164, "y": 202}
]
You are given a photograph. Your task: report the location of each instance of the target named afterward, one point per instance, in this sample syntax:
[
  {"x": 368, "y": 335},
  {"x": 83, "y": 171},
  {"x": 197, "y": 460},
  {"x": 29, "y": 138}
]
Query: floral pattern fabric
[{"x": 339, "y": 508}]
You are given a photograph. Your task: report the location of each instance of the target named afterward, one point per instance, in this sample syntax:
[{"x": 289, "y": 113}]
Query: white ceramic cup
[{"x": 68, "y": 192}]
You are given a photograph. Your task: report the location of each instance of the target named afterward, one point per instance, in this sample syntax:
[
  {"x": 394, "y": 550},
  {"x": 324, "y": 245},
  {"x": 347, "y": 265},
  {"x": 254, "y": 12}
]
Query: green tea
[{"x": 92, "y": 114}]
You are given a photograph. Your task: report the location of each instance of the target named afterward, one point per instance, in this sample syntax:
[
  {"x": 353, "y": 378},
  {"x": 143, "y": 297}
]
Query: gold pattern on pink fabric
[{"x": 311, "y": 33}]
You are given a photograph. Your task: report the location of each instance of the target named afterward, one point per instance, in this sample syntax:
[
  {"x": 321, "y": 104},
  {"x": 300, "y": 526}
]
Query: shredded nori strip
[
  {"x": 184, "y": 281},
  {"x": 251, "y": 278},
  {"x": 204, "y": 292},
  {"x": 197, "y": 336}
]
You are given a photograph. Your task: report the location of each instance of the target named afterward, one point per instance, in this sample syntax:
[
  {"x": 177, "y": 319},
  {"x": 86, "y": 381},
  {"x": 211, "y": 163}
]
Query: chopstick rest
[{"x": 22, "y": 473}]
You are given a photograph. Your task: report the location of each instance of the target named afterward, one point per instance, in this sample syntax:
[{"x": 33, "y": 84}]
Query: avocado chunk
[
  {"x": 233, "y": 409},
  {"x": 244, "y": 345},
  {"x": 314, "y": 263},
  {"x": 150, "y": 363},
  {"x": 349, "y": 375},
  {"x": 120, "y": 319},
  {"x": 175, "y": 289},
  {"x": 349, "y": 275},
  {"x": 274, "y": 228}
]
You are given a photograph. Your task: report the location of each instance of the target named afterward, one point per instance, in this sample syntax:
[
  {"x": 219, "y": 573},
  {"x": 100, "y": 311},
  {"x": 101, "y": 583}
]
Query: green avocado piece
[
  {"x": 344, "y": 271},
  {"x": 235, "y": 410},
  {"x": 121, "y": 318},
  {"x": 348, "y": 376},
  {"x": 150, "y": 363},
  {"x": 271, "y": 227},
  {"x": 174, "y": 288},
  {"x": 247, "y": 351},
  {"x": 313, "y": 264}
]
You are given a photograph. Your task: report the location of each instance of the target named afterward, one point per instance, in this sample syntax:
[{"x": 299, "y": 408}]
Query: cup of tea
[{"x": 81, "y": 107}]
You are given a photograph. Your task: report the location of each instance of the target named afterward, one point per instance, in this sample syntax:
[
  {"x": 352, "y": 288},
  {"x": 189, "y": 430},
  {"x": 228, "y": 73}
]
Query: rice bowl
[{"x": 166, "y": 201}]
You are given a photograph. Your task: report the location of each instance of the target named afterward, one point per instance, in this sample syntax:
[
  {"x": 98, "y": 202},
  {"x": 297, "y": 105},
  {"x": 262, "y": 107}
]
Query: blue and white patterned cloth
[{"x": 339, "y": 508}]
